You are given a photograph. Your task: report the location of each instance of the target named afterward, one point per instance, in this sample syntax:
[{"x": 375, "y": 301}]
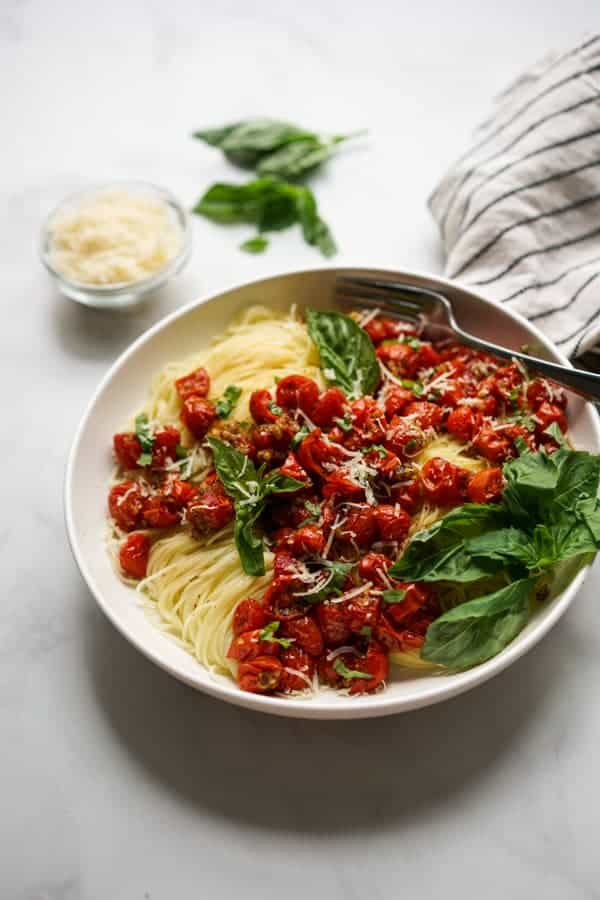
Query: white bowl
[{"x": 123, "y": 389}]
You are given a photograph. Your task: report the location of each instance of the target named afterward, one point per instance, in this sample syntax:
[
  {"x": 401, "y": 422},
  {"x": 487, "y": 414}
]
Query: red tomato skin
[
  {"x": 198, "y": 415},
  {"x": 306, "y": 634},
  {"x": 407, "y": 495},
  {"x": 292, "y": 468},
  {"x": 127, "y": 449},
  {"x": 382, "y": 328},
  {"x": 165, "y": 446},
  {"x": 492, "y": 445},
  {"x": 333, "y": 624},
  {"x": 160, "y": 512},
  {"x": 133, "y": 555},
  {"x": 180, "y": 492},
  {"x": 416, "y": 597},
  {"x": 210, "y": 511},
  {"x": 403, "y": 438},
  {"x": 297, "y": 392},
  {"x": 376, "y": 663},
  {"x": 280, "y": 601},
  {"x": 463, "y": 422},
  {"x": 427, "y": 415},
  {"x": 194, "y": 384},
  {"x": 396, "y": 400},
  {"x": 392, "y": 523},
  {"x": 299, "y": 661},
  {"x": 486, "y": 486},
  {"x": 316, "y": 450},
  {"x": 126, "y": 504},
  {"x": 339, "y": 485},
  {"x": 260, "y": 407},
  {"x": 368, "y": 420},
  {"x": 546, "y": 414},
  {"x": 306, "y": 541},
  {"x": 372, "y": 567},
  {"x": 443, "y": 483},
  {"x": 539, "y": 391},
  {"x": 330, "y": 405},
  {"x": 260, "y": 675},
  {"x": 248, "y": 616},
  {"x": 361, "y": 611},
  {"x": 360, "y": 526},
  {"x": 248, "y": 645}
]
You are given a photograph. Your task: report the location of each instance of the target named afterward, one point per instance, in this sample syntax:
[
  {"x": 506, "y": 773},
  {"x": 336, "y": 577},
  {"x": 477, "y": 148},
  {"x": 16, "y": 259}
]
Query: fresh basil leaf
[
  {"x": 578, "y": 479},
  {"x": 313, "y": 508},
  {"x": 299, "y": 437},
  {"x": 276, "y": 483},
  {"x": 531, "y": 481},
  {"x": 230, "y": 203},
  {"x": 393, "y": 596},
  {"x": 245, "y": 143},
  {"x": 435, "y": 552},
  {"x": 256, "y": 244},
  {"x": 237, "y": 472},
  {"x": 230, "y": 397},
  {"x": 297, "y": 159},
  {"x": 249, "y": 545},
  {"x": 347, "y": 353},
  {"x": 560, "y": 541},
  {"x": 335, "y": 574},
  {"x": 215, "y": 136},
  {"x": 316, "y": 232},
  {"x": 504, "y": 545},
  {"x": 181, "y": 452},
  {"x": 345, "y": 424},
  {"x": 144, "y": 433},
  {"x": 475, "y": 631},
  {"x": 268, "y": 634},
  {"x": 349, "y": 674},
  {"x": 588, "y": 511},
  {"x": 554, "y": 431},
  {"x": 144, "y": 459}
]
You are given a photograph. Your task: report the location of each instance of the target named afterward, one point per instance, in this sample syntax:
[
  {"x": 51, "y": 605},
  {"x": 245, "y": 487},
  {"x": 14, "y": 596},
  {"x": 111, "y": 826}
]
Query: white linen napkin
[{"x": 519, "y": 212}]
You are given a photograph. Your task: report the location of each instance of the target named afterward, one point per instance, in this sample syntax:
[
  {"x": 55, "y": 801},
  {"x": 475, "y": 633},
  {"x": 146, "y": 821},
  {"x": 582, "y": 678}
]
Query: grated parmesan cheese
[{"x": 113, "y": 237}]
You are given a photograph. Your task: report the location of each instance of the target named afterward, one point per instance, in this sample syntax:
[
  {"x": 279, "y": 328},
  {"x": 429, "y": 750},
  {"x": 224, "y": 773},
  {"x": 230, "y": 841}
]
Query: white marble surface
[{"x": 117, "y": 783}]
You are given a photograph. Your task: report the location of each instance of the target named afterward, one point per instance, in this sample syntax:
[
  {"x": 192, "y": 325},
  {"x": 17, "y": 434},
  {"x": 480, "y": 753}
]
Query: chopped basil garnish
[
  {"x": 393, "y": 596},
  {"x": 349, "y": 674},
  {"x": 225, "y": 405}
]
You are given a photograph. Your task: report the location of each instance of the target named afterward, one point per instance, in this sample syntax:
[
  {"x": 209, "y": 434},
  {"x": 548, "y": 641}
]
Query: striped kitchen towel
[{"x": 519, "y": 212}]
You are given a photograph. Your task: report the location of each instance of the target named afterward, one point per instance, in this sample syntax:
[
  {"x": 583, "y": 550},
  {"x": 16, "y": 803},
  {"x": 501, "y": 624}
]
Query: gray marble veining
[{"x": 116, "y": 781}]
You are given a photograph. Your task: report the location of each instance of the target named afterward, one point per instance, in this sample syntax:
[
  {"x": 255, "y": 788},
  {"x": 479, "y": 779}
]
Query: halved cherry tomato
[
  {"x": 249, "y": 645},
  {"x": 443, "y": 482},
  {"x": 292, "y": 469},
  {"x": 260, "y": 675},
  {"x": 280, "y": 600},
  {"x": 403, "y": 438},
  {"x": 331, "y": 404},
  {"x": 297, "y": 661},
  {"x": 360, "y": 526},
  {"x": 133, "y": 555},
  {"x": 492, "y": 444},
  {"x": 165, "y": 446},
  {"x": 338, "y": 484},
  {"x": 382, "y": 328},
  {"x": 315, "y": 451},
  {"x": 248, "y": 616},
  {"x": 416, "y": 596},
  {"x": 297, "y": 392},
  {"x": 361, "y": 612},
  {"x": 126, "y": 503},
  {"x": 396, "y": 400},
  {"x": 426, "y": 415},
  {"x": 368, "y": 420},
  {"x": 407, "y": 494},
  {"x": 198, "y": 415},
  {"x": 546, "y": 414},
  {"x": 392, "y": 522},
  {"x": 260, "y": 407},
  {"x": 332, "y": 623},
  {"x": 306, "y": 634},
  {"x": 539, "y": 391},
  {"x": 194, "y": 384},
  {"x": 485, "y": 486},
  {"x": 306, "y": 541},
  {"x": 375, "y": 662},
  {"x": 463, "y": 422},
  {"x": 210, "y": 511},
  {"x": 161, "y": 512},
  {"x": 180, "y": 492},
  {"x": 127, "y": 449},
  {"x": 373, "y": 567}
]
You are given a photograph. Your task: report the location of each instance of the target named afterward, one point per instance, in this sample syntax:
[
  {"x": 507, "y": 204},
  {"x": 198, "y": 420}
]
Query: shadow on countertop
[{"x": 312, "y": 776}]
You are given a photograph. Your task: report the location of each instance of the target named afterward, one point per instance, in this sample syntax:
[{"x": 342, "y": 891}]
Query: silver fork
[{"x": 433, "y": 312}]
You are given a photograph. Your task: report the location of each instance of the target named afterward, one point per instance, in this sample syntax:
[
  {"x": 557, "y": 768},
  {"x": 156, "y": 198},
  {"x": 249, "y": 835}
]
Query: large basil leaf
[
  {"x": 531, "y": 481},
  {"x": 347, "y": 354},
  {"x": 475, "y": 631},
  {"x": 294, "y": 160},
  {"x": 245, "y": 143}
]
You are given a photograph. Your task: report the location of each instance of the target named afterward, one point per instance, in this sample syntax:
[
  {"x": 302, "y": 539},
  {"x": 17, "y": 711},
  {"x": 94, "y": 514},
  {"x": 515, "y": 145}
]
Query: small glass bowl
[{"x": 123, "y": 294}]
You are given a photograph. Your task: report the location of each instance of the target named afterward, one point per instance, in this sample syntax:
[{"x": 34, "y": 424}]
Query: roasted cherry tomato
[
  {"x": 249, "y": 645},
  {"x": 374, "y": 663},
  {"x": 339, "y": 485},
  {"x": 180, "y": 492},
  {"x": 298, "y": 670},
  {"x": 485, "y": 486},
  {"x": 292, "y": 469},
  {"x": 127, "y": 449},
  {"x": 383, "y": 461},
  {"x": 546, "y": 414},
  {"x": 443, "y": 483},
  {"x": 407, "y": 494},
  {"x": 133, "y": 555},
  {"x": 392, "y": 522},
  {"x": 361, "y": 611},
  {"x": 396, "y": 400},
  {"x": 369, "y": 422},
  {"x": 195, "y": 384},
  {"x": 316, "y": 452},
  {"x": 539, "y": 391},
  {"x": 306, "y": 541},
  {"x": 297, "y": 392},
  {"x": 198, "y": 415},
  {"x": 360, "y": 526},
  {"x": 248, "y": 616},
  {"x": 161, "y": 512},
  {"x": 165, "y": 446},
  {"x": 261, "y": 403},
  {"x": 416, "y": 596},
  {"x": 404, "y": 438},
  {"x": 126, "y": 504},
  {"x": 330, "y": 405},
  {"x": 333, "y": 624},
  {"x": 493, "y": 444},
  {"x": 382, "y": 328},
  {"x": 306, "y": 634},
  {"x": 373, "y": 567},
  {"x": 280, "y": 600},
  {"x": 272, "y": 440},
  {"x": 260, "y": 675},
  {"x": 426, "y": 415},
  {"x": 210, "y": 511},
  {"x": 463, "y": 422}
]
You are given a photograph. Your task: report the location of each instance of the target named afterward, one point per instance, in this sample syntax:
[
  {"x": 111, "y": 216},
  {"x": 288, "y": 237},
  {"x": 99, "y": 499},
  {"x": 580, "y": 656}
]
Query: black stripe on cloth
[
  {"x": 525, "y": 187},
  {"x": 539, "y": 252},
  {"x": 559, "y": 210},
  {"x": 498, "y": 130},
  {"x": 530, "y": 128},
  {"x": 555, "y": 309},
  {"x": 536, "y": 285},
  {"x": 555, "y": 146},
  {"x": 577, "y": 330}
]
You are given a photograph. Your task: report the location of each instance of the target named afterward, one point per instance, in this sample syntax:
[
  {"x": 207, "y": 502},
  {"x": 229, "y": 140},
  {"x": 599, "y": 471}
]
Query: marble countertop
[{"x": 118, "y": 783}]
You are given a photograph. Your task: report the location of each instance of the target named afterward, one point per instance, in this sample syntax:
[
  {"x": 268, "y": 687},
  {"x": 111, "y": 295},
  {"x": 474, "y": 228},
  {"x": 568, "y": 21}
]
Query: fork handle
[{"x": 586, "y": 384}]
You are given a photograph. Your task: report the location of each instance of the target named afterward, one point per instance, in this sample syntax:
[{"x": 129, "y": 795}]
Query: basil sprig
[
  {"x": 146, "y": 439},
  {"x": 347, "y": 354},
  {"x": 549, "y": 514},
  {"x": 249, "y": 489},
  {"x": 225, "y": 405}
]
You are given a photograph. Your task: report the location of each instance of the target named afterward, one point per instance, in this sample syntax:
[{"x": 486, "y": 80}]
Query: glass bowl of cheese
[{"x": 108, "y": 246}]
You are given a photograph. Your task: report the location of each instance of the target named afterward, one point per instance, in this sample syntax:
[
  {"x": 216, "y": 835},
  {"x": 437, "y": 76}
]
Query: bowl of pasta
[{"x": 319, "y": 513}]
